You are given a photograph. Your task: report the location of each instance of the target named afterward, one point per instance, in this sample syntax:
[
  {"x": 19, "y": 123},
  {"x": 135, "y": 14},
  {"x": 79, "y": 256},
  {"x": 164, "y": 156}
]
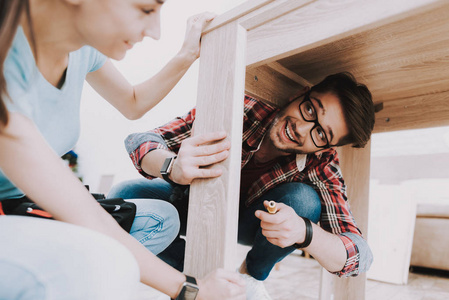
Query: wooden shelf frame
[{"x": 271, "y": 49}]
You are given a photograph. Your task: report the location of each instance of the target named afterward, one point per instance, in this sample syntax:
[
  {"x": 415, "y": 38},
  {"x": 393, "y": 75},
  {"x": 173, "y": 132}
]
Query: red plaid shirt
[{"x": 321, "y": 171}]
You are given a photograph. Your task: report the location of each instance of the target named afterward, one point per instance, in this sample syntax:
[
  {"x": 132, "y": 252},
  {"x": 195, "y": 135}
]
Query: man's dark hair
[{"x": 357, "y": 104}]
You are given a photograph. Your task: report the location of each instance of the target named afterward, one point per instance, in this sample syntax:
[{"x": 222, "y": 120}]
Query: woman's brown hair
[{"x": 10, "y": 15}]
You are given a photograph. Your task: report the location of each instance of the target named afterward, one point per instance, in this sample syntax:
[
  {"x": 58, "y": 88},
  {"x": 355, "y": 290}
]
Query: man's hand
[
  {"x": 284, "y": 228},
  {"x": 222, "y": 284},
  {"x": 196, "y": 153}
]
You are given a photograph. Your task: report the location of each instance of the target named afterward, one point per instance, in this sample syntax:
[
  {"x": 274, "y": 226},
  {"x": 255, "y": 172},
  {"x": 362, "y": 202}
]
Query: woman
[{"x": 44, "y": 72}]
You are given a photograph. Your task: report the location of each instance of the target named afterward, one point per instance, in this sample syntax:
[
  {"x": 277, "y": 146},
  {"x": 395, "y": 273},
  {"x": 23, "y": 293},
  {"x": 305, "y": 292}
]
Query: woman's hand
[
  {"x": 195, "y": 26},
  {"x": 220, "y": 285}
]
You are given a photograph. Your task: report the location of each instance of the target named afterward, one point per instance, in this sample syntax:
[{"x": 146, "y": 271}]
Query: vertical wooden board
[
  {"x": 355, "y": 165},
  {"x": 213, "y": 209},
  {"x": 391, "y": 227}
]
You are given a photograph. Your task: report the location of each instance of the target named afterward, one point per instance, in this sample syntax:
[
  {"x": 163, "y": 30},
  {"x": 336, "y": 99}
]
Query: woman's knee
[
  {"x": 156, "y": 224},
  {"x": 68, "y": 261}
]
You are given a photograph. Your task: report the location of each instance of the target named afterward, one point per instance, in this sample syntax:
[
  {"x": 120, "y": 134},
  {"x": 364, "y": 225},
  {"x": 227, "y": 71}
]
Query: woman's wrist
[
  {"x": 179, "y": 282},
  {"x": 186, "y": 57}
]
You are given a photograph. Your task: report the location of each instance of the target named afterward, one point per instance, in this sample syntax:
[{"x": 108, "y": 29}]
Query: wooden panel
[
  {"x": 422, "y": 111},
  {"x": 243, "y": 10},
  {"x": 213, "y": 208},
  {"x": 254, "y": 13},
  {"x": 275, "y": 10},
  {"x": 405, "y": 64},
  {"x": 355, "y": 165},
  {"x": 391, "y": 224},
  {"x": 398, "y": 60},
  {"x": 325, "y": 21},
  {"x": 267, "y": 84}
]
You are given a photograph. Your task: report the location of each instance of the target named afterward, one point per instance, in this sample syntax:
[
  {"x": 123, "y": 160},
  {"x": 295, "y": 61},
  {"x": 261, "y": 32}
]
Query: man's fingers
[
  {"x": 208, "y": 173},
  {"x": 207, "y": 138},
  {"x": 269, "y": 218},
  {"x": 206, "y": 150},
  {"x": 211, "y": 159}
]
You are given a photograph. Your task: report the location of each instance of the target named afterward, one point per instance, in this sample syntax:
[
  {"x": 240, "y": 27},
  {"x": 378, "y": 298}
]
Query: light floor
[{"x": 298, "y": 278}]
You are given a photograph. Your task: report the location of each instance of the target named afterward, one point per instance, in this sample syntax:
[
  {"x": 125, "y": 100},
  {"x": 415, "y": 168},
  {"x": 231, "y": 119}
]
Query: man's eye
[
  {"x": 321, "y": 134},
  {"x": 309, "y": 110}
]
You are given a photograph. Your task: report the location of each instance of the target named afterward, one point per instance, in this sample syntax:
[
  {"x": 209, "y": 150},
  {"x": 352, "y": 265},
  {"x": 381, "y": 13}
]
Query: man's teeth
[{"x": 289, "y": 134}]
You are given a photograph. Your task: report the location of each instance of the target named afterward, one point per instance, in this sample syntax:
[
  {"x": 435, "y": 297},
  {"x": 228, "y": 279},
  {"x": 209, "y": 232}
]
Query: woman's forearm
[{"x": 37, "y": 170}]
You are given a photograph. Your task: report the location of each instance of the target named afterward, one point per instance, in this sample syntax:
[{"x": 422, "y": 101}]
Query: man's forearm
[
  {"x": 327, "y": 249},
  {"x": 152, "y": 161}
]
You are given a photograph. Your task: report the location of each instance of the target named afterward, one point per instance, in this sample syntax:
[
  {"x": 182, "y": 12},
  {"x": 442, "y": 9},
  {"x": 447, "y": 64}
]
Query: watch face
[{"x": 188, "y": 292}]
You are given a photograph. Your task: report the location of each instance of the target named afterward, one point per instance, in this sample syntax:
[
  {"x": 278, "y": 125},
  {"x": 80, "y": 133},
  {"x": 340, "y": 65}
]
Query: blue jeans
[
  {"x": 263, "y": 255},
  {"x": 156, "y": 224}
]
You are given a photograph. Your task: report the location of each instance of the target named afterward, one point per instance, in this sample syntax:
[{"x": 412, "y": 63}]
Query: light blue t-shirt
[{"x": 56, "y": 112}]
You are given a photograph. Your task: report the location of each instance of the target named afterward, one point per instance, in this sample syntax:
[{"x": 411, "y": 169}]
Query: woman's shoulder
[
  {"x": 90, "y": 58},
  {"x": 19, "y": 66}
]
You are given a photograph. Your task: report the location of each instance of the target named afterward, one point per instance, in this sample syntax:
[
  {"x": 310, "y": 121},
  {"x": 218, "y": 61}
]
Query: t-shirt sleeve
[{"x": 97, "y": 60}]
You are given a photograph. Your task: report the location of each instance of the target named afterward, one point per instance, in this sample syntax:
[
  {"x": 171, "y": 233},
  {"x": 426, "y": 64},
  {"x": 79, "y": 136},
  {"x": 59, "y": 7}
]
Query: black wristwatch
[
  {"x": 189, "y": 289},
  {"x": 166, "y": 168}
]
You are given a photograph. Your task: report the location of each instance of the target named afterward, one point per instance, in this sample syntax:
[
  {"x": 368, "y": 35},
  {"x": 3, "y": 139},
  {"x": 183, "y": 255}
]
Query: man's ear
[{"x": 300, "y": 93}]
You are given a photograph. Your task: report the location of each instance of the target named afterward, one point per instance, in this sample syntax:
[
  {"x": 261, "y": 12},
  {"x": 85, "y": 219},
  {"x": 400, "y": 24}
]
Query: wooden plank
[
  {"x": 275, "y": 10},
  {"x": 391, "y": 206},
  {"x": 355, "y": 165},
  {"x": 290, "y": 74},
  {"x": 213, "y": 209},
  {"x": 325, "y": 21},
  {"x": 245, "y": 9},
  {"x": 399, "y": 60},
  {"x": 266, "y": 84},
  {"x": 412, "y": 113}
]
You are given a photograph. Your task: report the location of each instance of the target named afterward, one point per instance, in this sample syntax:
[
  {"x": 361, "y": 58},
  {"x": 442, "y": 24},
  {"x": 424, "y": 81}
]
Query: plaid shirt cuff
[
  {"x": 137, "y": 155},
  {"x": 351, "y": 267}
]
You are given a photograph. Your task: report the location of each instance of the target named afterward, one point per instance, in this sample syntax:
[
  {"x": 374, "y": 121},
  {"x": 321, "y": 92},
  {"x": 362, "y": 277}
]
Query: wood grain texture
[
  {"x": 355, "y": 166},
  {"x": 405, "y": 64},
  {"x": 244, "y": 10},
  {"x": 213, "y": 208},
  {"x": 422, "y": 111},
  {"x": 325, "y": 21},
  {"x": 269, "y": 85},
  {"x": 391, "y": 225}
]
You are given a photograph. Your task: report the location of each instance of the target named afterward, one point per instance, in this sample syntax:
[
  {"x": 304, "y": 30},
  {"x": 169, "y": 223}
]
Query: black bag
[{"x": 123, "y": 212}]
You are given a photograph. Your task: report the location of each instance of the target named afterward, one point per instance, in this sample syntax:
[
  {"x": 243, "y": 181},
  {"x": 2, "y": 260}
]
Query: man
[{"x": 288, "y": 157}]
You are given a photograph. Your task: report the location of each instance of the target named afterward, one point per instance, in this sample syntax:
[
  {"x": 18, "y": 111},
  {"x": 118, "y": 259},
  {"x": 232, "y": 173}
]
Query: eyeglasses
[{"x": 308, "y": 113}]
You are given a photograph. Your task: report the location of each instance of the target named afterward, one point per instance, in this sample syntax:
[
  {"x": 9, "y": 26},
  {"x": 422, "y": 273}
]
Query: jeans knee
[
  {"x": 172, "y": 224},
  {"x": 120, "y": 190},
  {"x": 304, "y": 200}
]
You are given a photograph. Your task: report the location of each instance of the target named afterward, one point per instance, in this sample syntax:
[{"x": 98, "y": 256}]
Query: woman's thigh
[{"x": 47, "y": 259}]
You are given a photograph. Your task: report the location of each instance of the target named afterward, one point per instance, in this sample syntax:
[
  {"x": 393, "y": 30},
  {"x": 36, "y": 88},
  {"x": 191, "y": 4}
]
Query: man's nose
[{"x": 303, "y": 127}]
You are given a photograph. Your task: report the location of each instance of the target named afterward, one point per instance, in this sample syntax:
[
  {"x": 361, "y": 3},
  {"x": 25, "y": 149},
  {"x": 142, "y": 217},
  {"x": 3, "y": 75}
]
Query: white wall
[{"x": 100, "y": 148}]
